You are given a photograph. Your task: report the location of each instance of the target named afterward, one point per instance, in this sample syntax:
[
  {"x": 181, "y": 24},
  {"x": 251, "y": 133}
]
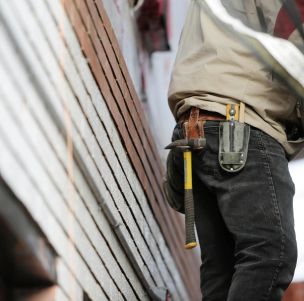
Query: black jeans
[{"x": 244, "y": 221}]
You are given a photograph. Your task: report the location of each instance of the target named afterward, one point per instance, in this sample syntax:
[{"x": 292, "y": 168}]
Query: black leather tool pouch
[{"x": 233, "y": 145}]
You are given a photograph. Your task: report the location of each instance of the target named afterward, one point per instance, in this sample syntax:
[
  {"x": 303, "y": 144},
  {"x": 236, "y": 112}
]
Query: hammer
[{"x": 187, "y": 145}]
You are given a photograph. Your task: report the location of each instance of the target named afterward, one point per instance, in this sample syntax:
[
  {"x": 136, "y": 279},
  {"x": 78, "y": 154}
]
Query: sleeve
[{"x": 283, "y": 21}]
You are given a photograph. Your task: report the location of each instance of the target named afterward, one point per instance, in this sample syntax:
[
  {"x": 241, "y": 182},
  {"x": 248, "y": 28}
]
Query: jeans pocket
[
  {"x": 273, "y": 147},
  {"x": 277, "y": 160}
]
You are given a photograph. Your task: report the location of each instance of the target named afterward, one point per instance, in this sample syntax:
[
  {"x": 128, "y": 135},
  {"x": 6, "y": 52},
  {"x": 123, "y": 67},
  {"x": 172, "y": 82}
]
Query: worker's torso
[{"x": 213, "y": 68}]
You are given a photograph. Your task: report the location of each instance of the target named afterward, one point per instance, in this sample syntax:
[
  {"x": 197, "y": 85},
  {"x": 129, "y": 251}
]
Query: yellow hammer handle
[
  {"x": 189, "y": 203},
  {"x": 188, "y": 169}
]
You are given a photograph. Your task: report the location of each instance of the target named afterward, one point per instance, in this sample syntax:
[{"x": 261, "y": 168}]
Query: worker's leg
[
  {"x": 257, "y": 207},
  {"x": 216, "y": 244}
]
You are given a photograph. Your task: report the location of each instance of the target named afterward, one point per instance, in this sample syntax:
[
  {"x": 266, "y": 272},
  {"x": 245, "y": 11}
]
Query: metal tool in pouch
[{"x": 234, "y": 137}]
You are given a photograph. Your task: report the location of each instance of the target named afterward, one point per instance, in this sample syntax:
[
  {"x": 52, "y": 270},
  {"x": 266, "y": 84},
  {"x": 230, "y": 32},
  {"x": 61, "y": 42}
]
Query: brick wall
[{"x": 77, "y": 152}]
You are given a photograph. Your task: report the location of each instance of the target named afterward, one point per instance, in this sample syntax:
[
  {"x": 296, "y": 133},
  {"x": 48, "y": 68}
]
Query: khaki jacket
[{"x": 214, "y": 68}]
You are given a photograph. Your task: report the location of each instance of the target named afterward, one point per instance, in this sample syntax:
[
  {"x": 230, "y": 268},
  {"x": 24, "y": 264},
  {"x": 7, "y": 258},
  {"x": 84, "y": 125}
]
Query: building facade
[{"x": 83, "y": 214}]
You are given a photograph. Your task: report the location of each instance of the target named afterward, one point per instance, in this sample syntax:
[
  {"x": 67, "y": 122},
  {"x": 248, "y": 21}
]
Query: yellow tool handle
[
  {"x": 189, "y": 203},
  {"x": 188, "y": 169},
  {"x": 235, "y": 112},
  {"x": 232, "y": 112}
]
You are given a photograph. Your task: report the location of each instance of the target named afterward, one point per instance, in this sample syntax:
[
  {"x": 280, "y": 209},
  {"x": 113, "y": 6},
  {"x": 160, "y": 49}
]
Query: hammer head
[{"x": 183, "y": 144}]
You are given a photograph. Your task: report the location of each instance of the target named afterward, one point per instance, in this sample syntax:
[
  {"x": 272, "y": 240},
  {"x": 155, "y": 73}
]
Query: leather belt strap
[
  {"x": 203, "y": 115},
  {"x": 194, "y": 119}
]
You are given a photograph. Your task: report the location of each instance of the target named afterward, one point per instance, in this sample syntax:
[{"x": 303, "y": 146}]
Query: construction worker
[{"x": 242, "y": 189}]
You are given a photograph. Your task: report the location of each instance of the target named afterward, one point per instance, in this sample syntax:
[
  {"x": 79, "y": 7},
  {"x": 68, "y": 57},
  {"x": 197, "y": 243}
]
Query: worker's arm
[{"x": 283, "y": 20}]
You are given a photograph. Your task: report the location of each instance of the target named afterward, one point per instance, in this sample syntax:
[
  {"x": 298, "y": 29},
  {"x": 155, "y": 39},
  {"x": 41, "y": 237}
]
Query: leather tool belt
[
  {"x": 202, "y": 115},
  {"x": 193, "y": 122},
  {"x": 233, "y": 134}
]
